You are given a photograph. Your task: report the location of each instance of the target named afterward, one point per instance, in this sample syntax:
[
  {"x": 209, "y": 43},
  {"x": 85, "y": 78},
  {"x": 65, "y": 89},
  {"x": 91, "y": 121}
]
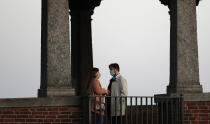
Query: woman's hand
[{"x": 107, "y": 92}]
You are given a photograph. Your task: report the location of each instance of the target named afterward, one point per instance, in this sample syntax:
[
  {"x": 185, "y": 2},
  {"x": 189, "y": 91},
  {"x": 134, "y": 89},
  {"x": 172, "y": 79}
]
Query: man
[{"x": 117, "y": 87}]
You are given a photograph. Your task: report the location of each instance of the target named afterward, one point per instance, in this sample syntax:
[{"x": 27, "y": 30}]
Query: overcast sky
[{"x": 133, "y": 33}]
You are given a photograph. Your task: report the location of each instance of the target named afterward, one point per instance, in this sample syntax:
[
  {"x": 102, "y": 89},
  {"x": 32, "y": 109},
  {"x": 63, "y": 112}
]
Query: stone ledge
[
  {"x": 198, "y": 97},
  {"x": 37, "y": 102}
]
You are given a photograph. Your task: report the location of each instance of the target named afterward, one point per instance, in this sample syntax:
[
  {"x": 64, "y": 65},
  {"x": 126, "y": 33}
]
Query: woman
[{"x": 95, "y": 89}]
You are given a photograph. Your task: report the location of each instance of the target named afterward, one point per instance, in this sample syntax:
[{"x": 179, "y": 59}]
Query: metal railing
[
  {"x": 170, "y": 110},
  {"x": 136, "y": 110}
]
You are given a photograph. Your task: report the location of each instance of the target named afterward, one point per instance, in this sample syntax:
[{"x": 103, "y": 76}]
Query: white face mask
[{"x": 99, "y": 75}]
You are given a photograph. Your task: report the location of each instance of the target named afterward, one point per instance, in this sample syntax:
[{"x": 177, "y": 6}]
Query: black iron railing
[
  {"x": 170, "y": 110},
  {"x": 136, "y": 110}
]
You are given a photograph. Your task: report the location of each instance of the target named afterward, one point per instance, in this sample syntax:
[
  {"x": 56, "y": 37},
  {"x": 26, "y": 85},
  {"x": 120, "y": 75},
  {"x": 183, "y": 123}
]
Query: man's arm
[{"x": 124, "y": 87}]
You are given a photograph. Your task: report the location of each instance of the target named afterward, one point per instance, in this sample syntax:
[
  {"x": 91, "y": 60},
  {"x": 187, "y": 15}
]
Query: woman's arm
[{"x": 97, "y": 88}]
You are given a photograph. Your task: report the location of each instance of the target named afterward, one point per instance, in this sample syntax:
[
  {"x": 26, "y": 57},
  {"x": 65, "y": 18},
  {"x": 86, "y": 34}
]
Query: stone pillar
[
  {"x": 55, "y": 50},
  {"x": 184, "y": 67},
  {"x": 81, "y": 37}
]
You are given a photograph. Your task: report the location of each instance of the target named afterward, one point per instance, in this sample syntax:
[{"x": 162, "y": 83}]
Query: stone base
[
  {"x": 56, "y": 92},
  {"x": 44, "y": 101},
  {"x": 188, "y": 96},
  {"x": 185, "y": 89}
]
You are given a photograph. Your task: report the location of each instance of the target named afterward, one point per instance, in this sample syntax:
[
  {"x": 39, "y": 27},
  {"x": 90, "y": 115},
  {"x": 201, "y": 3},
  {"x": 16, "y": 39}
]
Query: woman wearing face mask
[{"x": 95, "y": 89}]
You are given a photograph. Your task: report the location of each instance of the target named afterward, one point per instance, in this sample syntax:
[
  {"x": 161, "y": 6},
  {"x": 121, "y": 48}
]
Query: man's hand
[{"x": 108, "y": 93}]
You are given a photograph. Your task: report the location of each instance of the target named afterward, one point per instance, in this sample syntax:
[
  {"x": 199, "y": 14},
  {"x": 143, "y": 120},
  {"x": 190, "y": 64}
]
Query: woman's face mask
[
  {"x": 99, "y": 75},
  {"x": 112, "y": 73}
]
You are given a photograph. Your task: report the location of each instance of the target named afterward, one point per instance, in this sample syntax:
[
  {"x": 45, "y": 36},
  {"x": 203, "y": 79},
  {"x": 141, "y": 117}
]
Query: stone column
[
  {"x": 184, "y": 67},
  {"x": 55, "y": 50},
  {"x": 82, "y": 56}
]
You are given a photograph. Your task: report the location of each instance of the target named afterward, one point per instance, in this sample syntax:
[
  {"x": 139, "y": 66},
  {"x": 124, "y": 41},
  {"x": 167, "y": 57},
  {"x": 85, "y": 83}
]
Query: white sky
[{"x": 134, "y": 33}]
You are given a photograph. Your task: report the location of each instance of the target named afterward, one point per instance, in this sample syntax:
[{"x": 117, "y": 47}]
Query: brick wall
[
  {"x": 41, "y": 115},
  {"x": 197, "y": 112}
]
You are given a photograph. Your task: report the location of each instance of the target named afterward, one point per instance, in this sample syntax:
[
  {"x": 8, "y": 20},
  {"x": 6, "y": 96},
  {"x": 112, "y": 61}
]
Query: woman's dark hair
[
  {"x": 115, "y": 65},
  {"x": 92, "y": 75},
  {"x": 94, "y": 71}
]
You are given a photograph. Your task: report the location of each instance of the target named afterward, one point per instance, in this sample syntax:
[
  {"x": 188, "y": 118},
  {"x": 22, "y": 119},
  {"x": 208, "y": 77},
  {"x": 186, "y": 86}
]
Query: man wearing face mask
[{"x": 117, "y": 87}]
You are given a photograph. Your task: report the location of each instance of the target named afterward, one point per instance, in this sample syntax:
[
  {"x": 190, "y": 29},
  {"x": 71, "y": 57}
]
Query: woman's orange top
[{"x": 96, "y": 90}]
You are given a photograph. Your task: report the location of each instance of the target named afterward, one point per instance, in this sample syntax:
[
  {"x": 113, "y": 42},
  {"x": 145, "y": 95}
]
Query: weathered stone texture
[
  {"x": 184, "y": 67},
  {"x": 56, "y": 70}
]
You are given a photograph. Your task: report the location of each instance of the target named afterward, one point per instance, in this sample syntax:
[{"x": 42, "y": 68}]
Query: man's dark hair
[{"x": 115, "y": 65}]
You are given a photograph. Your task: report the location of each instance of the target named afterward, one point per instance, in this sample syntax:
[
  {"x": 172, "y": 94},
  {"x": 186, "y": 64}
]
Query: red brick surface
[
  {"x": 197, "y": 112},
  {"x": 41, "y": 115}
]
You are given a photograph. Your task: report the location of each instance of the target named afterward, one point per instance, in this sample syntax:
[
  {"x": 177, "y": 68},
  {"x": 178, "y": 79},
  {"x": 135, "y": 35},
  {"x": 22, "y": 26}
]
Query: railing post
[
  {"x": 115, "y": 110},
  {"x": 172, "y": 109},
  {"x": 89, "y": 109},
  {"x": 147, "y": 114},
  {"x": 120, "y": 110},
  {"x": 131, "y": 98},
  {"x": 142, "y": 113},
  {"x": 126, "y": 104},
  {"x": 106, "y": 114},
  {"x": 95, "y": 110},
  {"x": 166, "y": 108},
  {"x": 152, "y": 110},
  {"x": 157, "y": 109},
  {"x": 137, "y": 110},
  {"x": 182, "y": 108}
]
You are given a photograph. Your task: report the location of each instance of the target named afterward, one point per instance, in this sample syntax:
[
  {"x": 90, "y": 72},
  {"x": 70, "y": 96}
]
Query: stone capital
[
  {"x": 88, "y": 5},
  {"x": 81, "y": 14},
  {"x": 166, "y": 2}
]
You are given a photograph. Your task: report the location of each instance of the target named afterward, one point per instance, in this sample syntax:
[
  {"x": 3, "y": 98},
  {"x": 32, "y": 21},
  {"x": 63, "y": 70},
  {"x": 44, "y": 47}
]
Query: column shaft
[
  {"x": 55, "y": 50},
  {"x": 82, "y": 56},
  {"x": 81, "y": 36},
  {"x": 184, "y": 67}
]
